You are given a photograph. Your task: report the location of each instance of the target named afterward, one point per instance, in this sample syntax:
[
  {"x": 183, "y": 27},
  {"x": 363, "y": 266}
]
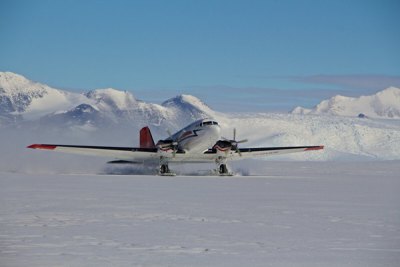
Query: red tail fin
[{"x": 146, "y": 139}]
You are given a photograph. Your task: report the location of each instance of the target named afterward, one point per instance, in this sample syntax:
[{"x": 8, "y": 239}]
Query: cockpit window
[{"x": 208, "y": 123}]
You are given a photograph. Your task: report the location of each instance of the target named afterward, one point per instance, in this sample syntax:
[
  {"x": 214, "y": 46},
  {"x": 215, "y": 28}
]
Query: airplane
[{"x": 198, "y": 142}]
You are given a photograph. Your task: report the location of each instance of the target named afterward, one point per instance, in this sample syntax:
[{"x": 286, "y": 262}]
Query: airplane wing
[
  {"x": 265, "y": 151},
  {"x": 122, "y": 153},
  {"x": 140, "y": 155}
]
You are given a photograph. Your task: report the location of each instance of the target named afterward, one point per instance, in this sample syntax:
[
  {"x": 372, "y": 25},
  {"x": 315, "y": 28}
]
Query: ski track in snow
[{"x": 301, "y": 214}]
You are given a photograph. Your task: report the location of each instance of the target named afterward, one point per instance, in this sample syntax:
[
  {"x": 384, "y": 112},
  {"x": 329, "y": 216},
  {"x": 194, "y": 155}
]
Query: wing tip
[
  {"x": 41, "y": 146},
  {"x": 314, "y": 148}
]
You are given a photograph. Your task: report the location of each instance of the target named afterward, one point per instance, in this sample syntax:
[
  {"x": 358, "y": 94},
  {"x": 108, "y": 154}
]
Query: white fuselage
[{"x": 198, "y": 136}]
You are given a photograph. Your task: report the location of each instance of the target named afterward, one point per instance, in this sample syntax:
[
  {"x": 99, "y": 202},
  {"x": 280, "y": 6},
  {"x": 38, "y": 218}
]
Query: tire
[
  {"x": 223, "y": 169},
  {"x": 163, "y": 169}
]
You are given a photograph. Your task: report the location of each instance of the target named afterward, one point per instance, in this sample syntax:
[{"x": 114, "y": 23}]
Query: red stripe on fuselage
[{"x": 186, "y": 134}]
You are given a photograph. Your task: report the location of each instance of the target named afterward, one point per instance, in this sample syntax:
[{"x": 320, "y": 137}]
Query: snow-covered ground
[
  {"x": 300, "y": 214},
  {"x": 342, "y": 209}
]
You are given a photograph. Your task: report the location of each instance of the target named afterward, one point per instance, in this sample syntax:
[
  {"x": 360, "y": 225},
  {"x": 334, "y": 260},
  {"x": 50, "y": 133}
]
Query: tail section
[{"x": 146, "y": 139}]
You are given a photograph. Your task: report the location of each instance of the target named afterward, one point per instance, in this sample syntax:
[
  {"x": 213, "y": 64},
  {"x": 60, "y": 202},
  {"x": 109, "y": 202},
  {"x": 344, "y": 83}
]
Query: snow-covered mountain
[
  {"x": 31, "y": 100},
  {"x": 23, "y": 100},
  {"x": 384, "y": 104},
  {"x": 113, "y": 117}
]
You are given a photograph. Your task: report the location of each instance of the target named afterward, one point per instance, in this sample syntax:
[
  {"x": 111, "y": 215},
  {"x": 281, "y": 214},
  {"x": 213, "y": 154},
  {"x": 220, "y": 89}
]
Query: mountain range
[
  {"x": 111, "y": 117},
  {"x": 384, "y": 104},
  {"x": 23, "y": 101}
]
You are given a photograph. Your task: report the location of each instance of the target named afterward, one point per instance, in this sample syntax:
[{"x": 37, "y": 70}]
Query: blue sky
[{"x": 234, "y": 55}]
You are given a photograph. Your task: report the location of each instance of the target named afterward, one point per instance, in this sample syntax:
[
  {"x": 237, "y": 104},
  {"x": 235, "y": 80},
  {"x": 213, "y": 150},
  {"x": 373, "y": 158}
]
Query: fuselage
[{"x": 198, "y": 136}]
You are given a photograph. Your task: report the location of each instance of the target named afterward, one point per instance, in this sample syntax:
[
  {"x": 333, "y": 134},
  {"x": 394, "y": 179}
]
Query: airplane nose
[{"x": 217, "y": 130}]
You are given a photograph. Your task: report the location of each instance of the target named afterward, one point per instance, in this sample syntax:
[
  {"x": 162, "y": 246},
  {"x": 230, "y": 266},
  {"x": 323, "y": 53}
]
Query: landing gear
[
  {"x": 164, "y": 169},
  {"x": 222, "y": 169}
]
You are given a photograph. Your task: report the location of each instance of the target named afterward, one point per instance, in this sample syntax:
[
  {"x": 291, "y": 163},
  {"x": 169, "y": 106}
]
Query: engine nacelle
[
  {"x": 166, "y": 148},
  {"x": 223, "y": 147}
]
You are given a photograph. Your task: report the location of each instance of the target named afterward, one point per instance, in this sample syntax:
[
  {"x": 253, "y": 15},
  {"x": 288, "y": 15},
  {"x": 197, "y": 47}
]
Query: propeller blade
[
  {"x": 173, "y": 145},
  {"x": 242, "y": 141},
  {"x": 168, "y": 132},
  {"x": 234, "y": 133}
]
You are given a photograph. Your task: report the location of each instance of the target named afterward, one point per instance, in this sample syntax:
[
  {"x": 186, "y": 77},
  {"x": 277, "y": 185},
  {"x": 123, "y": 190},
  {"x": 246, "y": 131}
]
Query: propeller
[
  {"x": 169, "y": 133},
  {"x": 234, "y": 143},
  {"x": 174, "y": 144}
]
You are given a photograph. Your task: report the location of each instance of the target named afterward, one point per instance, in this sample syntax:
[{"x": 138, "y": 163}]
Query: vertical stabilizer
[{"x": 146, "y": 139}]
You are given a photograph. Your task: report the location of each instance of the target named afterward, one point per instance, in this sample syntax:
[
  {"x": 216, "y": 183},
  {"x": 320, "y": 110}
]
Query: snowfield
[
  {"x": 299, "y": 214},
  {"x": 334, "y": 207}
]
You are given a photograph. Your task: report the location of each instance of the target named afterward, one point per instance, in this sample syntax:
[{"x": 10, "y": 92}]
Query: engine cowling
[
  {"x": 225, "y": 146},
  {"x": 167, "y": 148}
]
